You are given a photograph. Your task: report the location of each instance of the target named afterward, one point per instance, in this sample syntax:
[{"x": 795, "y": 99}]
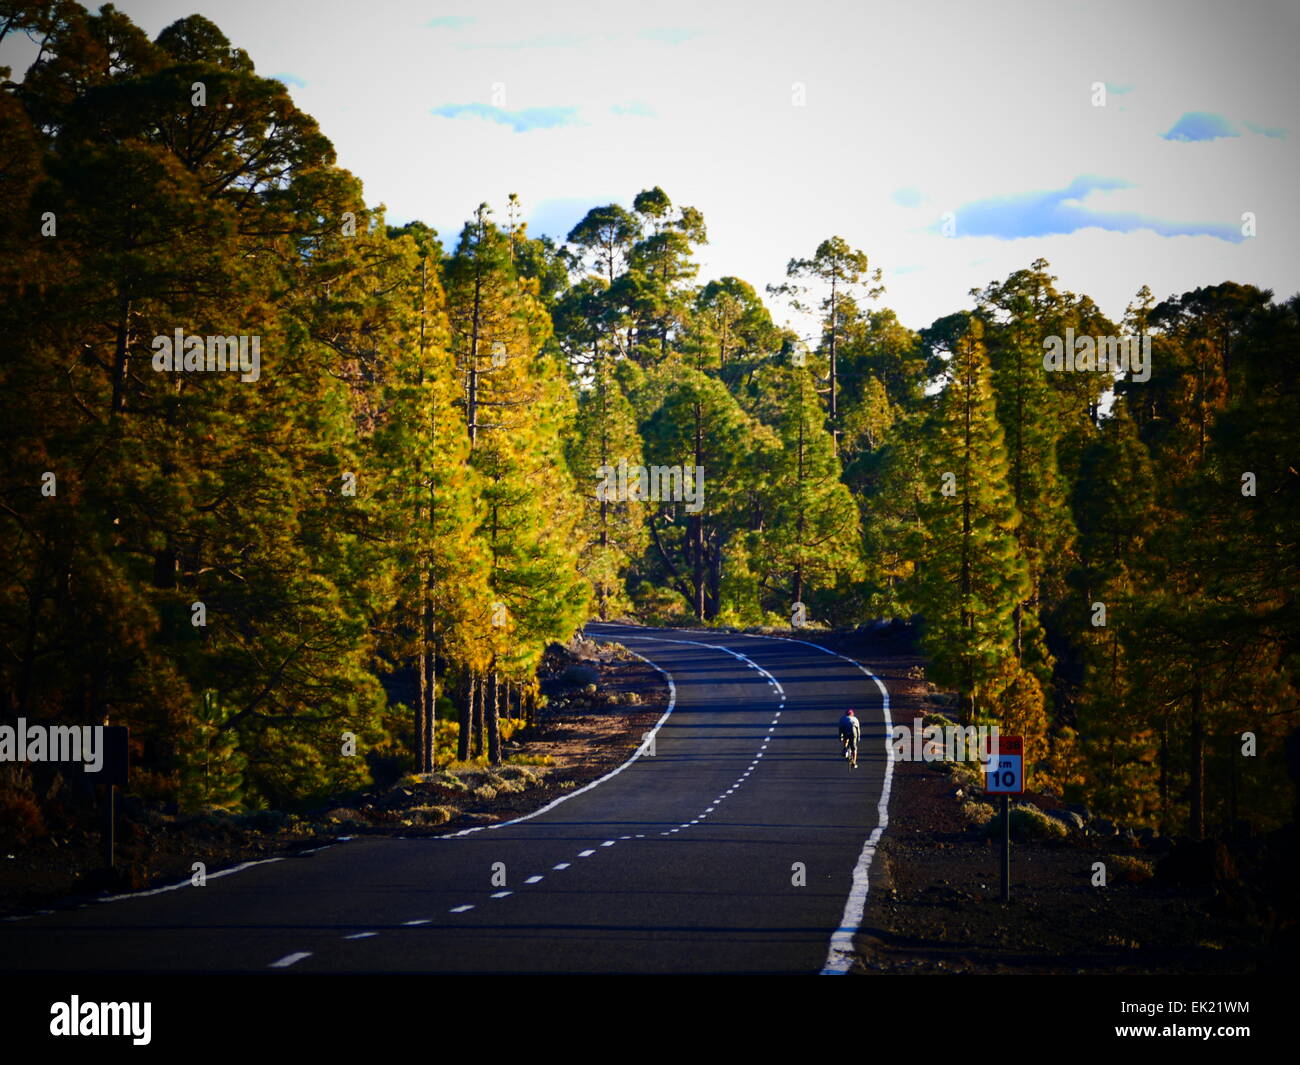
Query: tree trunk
[
  {"x": 466, "y": 721},
  {"x": 697, "y": 524},
  {"x": 492, "y": 714},
  {"x": 1196, "y": 815},
  {"x": 476, "y": 715},
  {"x": 1164, "y": 774}
]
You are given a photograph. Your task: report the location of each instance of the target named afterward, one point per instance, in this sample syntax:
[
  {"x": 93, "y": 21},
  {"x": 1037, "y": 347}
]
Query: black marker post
[
  {"x": 1007, "y": 778},
  {"x": 115, "y": 766}
]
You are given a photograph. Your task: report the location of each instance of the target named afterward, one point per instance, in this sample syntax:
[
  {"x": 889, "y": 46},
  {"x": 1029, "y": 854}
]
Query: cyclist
[{"x": 850, "y": 731}]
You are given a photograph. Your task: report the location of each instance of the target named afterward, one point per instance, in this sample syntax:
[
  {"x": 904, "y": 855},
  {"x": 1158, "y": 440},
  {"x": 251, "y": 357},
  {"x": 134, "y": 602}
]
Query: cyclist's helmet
[{"x": 850, "y": 713}]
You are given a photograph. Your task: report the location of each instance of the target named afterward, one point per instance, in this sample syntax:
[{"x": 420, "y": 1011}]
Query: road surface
[{"x": 735, "y": 840}]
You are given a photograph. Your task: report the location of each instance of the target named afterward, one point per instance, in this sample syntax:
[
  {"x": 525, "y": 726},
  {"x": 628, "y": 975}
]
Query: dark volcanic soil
[
  {"x": 583, "y": 736},
  {"x": 934, "y": 903}
]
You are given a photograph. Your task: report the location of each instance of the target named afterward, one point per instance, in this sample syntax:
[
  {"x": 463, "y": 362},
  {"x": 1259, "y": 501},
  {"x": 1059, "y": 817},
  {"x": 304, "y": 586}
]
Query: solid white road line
[
  {"x": 839, "y": 958},
  {"x": 647, "y": 744}
]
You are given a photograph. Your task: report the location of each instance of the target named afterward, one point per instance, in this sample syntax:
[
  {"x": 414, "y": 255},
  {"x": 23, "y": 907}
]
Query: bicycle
[{"x": 850, "y": 747}]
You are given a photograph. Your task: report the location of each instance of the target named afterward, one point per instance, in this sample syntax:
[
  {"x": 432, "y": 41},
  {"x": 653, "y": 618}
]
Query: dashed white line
[
  {"x": 533, "y": 880},
  {"x": 586, "y": 854},
  {"x": 361, "y": 935},
  {"x": 461, "y": 909},
  {"x": 289, "y": 959},
  {"x": 500, "y": 894},
  {"x": 561, "y": 865},
  {"x": 418, "y": 920}
]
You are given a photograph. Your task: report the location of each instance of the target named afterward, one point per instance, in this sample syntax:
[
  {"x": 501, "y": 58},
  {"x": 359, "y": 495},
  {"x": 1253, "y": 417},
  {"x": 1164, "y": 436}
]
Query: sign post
[
  {"x": 1005, "y": 776},
  {"x": 115, "y": 767}
]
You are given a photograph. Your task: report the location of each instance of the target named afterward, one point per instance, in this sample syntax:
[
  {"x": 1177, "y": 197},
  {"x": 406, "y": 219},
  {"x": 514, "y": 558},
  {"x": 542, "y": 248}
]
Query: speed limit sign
[{"x": 1007, "y": 776}]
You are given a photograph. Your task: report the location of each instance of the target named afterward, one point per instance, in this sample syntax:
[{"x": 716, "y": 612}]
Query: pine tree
[{"x": 971, "y": 575}]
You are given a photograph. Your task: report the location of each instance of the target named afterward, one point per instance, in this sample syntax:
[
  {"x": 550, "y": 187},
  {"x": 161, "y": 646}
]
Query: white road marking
[
  {"x": 461, "y": 909},
  {"x": 609, "y": 843},
  {"x": 839, "y": 958},
  {"x": 533, "y": 880},
  {"x": 421, "y": 920},
  {"x": 187, "y": 882},
  {"x": 289, "y": 959},
  {"x": 361, "y": 935},
  {"x": 585, "y": 854},
  {"x": 500, "y": 894},
  {"x": 562, "y": 865},
  {"x": 647, "y": 744}
]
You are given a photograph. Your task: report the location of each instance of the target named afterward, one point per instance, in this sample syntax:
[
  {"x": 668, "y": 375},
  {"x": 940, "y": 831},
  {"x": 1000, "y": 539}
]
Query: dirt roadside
[
  {"x": 583, "y": 733},
  {"x": 1168, "y": 906}
]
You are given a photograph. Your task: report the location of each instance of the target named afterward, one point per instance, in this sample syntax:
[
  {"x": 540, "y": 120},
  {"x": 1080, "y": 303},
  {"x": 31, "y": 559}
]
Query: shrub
[
  {"x": 1130, "y": 869},
  {"x": 430, "y": 815},
  {"x": 1028, "y": 822},
  {"x": 20, "y": 818}
]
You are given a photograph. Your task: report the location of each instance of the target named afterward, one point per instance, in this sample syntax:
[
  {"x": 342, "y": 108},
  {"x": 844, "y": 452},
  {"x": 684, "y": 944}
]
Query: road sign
[
  {"x": 1008, "y": 776},
  {"x": 115, "y": 755}
]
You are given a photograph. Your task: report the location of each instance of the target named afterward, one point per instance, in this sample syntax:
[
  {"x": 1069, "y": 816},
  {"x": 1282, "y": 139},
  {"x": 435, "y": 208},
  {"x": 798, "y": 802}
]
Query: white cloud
[{"x": 959, "y": 102}]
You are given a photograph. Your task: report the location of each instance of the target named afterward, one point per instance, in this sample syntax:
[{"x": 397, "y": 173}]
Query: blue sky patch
[
  {"x": 1201, "y": 126},
  {"x": 521, "y": 121},
  {"x": 1058, "y": 211},
  {"x": 1265, "y": 131}
]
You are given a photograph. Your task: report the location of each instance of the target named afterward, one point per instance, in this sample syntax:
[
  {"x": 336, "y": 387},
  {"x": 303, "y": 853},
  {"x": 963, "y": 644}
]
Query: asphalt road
[{"x": 687, "y": 858}]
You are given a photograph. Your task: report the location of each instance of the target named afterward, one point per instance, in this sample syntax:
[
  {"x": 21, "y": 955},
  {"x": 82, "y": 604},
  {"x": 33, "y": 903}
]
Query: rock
[
  {"x": 1197, "y": 862},
  {"x": 1099, "y": 826},
  {"x": 581, "y": 674},
  {"x": 1068, "y": 818},
  {"x": 1080, "y": 809},
  {"x": 265, "y": 820}
]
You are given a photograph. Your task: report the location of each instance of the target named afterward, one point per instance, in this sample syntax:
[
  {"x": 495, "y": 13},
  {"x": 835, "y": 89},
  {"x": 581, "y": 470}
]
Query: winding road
[{"x": 734, "y": 840}]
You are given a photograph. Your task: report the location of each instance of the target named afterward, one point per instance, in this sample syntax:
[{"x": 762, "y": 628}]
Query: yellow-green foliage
[
  {"x": 1130, "y": 869},
  {"x": 1028, "y": 823}
]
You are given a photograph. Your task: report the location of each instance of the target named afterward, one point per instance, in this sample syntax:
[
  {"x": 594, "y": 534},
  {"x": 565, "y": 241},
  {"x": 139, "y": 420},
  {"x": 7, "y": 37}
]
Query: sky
[{"x": 952, "y": 142}]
